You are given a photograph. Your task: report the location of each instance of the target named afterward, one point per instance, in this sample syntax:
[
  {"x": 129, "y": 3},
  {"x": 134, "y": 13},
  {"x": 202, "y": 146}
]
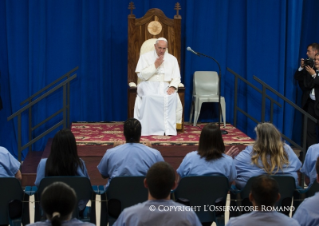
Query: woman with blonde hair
[{"x": 268, "y": 155}]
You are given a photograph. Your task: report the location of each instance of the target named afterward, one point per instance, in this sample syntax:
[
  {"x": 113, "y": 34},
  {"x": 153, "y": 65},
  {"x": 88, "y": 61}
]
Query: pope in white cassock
[{"x": 157, "y": 104}]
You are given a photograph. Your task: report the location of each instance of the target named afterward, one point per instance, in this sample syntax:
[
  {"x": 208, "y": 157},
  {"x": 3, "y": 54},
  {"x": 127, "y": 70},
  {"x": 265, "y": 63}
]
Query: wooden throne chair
[{"x": 152, "y": 25}]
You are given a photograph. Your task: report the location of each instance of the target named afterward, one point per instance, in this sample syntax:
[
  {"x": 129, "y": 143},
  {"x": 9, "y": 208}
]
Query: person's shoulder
[
  {"x": 135, "y": 208},
  {"x": 310, "y": 200},
  {"x": 287, "y": 147},
  {"x": 43, "y": 161},
  {"x": 6, "y": 154},
  {"x": 4, "y": 150},
  {"x": 227, "y": 158},
  {"x": 238, "y": 220},
  {"x": 40, "y": 223},
  {"x": 313, "y": 149},
  {"x": 171, "y": 56},
  {"x": 146, "y": 148},
  {"x": 76, "y": 222},
  {"x": 116, "y": 149},
  {"x": 285, "y": 219},
  {"x": 192, "y": 154}
]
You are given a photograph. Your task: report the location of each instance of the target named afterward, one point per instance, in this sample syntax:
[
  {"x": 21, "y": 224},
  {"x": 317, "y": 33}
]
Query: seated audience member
[
  {"x": 210, "y": 157},
  {"x": 58, "y": 201},
  {"x": 263, "y": 195},
  {"x": 309, "y": 165},
  {"x": 159, "y": 181},
  {"x": 63, "y": 159},
  {"x": 267, "y": 155},
  {"x": 130, "y": 159},
  {"x": 307, "y": 213},
  {"x": 9, "y": 166}
]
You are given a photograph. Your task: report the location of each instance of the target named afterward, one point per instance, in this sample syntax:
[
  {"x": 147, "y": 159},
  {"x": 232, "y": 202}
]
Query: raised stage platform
[{"x": 94, "y": 139}]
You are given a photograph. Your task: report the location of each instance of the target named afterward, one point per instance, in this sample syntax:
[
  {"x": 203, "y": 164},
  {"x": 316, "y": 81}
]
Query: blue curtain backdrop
[{"x": 42, "y": 40}]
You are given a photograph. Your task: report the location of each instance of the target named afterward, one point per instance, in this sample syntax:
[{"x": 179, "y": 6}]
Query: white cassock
[{"x": 157, "y": 111}]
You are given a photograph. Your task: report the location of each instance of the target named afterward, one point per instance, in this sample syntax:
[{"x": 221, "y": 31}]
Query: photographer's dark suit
[{"x": 307, "y": 83}]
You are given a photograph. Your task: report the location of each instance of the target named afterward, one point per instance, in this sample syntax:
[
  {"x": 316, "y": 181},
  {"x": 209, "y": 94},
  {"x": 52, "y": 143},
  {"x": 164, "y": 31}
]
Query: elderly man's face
[{"x": 160, "y": 47}]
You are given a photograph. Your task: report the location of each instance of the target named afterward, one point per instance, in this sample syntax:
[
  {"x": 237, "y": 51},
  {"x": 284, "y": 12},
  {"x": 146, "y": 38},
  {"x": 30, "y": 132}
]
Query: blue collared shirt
[
  {"x": 131, "y": 159},
  {"x": 193, "y": 164},
  {"x": 9, "y": 166},
  {"x": 308, "y": 211},
  {"x": 245, "y": 168}
]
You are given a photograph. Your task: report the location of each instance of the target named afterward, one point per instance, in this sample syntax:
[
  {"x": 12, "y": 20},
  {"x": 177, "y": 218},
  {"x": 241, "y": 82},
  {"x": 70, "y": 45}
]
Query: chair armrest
[
  {"x": 132, "y": 84},
  {"x": 95, "y": 189},
  {"x": 101, "y": 189},
  {"x": 30, "y": 190},
  {"x": 234, "y": 190},
  {"x": 302, "y": 191}
]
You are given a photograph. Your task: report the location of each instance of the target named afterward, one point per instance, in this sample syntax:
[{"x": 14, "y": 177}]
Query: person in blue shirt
[
  {"x": 307, "y": 213},
  {"x": 264, "y": 194},
  {"x": 130, "y": 159},
  {"x": 63, "y": 159},
  {"x": 309, "y": 165},
  {"x": 58, "y": 202},
  {"x": 9, "y": 165},
  {"x": 210, "y": 157},
  {"x": 159, "y": 209},
  {"x": 268, "y": 155}
]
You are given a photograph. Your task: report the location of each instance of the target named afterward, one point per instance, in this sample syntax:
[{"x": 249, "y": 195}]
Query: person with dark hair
[
  {"x": 210, "y": 157},
  {"x": 268, "y": 155},
  {"x": 63, "y": 159},
  {"x": 263, "y": 195},
  {"x": 159, "y": 209},
  {"x": 307, "y": 76},
  {"x": 58, "y": 202},
  {"x": 130, "y": 159},
  {"x": 307, "y": 213},
  {"x": 9, "y": 165}
]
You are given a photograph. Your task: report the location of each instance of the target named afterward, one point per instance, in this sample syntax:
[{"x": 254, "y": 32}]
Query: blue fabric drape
[{"x": 42, "y": 40}]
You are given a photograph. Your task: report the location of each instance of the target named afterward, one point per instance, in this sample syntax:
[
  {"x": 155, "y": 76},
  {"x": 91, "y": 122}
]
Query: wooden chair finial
[
  {"x": 131, "y": 7},
  {"x": 177, "y": 8}
]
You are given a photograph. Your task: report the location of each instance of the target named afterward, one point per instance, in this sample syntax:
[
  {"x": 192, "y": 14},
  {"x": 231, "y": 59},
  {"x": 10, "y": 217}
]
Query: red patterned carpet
[
  {"x": 94, "y": 139},
  {"x": 99, "y": 133}
]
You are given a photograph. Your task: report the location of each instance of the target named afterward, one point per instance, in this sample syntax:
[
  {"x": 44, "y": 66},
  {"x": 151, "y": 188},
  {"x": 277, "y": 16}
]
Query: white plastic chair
[{"x": 205, "y": 89}]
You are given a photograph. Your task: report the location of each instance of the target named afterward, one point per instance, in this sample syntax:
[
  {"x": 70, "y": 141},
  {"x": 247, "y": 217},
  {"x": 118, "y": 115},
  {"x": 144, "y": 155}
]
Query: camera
[{"x": 309, "y": 62}]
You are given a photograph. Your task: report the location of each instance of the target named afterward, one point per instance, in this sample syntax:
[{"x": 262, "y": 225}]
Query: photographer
[{"x": 307, "y": 76}]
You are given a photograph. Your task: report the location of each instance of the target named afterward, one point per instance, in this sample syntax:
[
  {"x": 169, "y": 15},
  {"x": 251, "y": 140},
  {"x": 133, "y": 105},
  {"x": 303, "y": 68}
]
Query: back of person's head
[
  {"x": 211, "y": 144},
  {"x": 132, "y": 130},
  {"x": 58, "y": 202},
  {"x": 160, "y": 179},
  {"x": 269, "y": 148},
  {"x": 265, "y": 191},
  {"x": 63, "y": 159}
]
